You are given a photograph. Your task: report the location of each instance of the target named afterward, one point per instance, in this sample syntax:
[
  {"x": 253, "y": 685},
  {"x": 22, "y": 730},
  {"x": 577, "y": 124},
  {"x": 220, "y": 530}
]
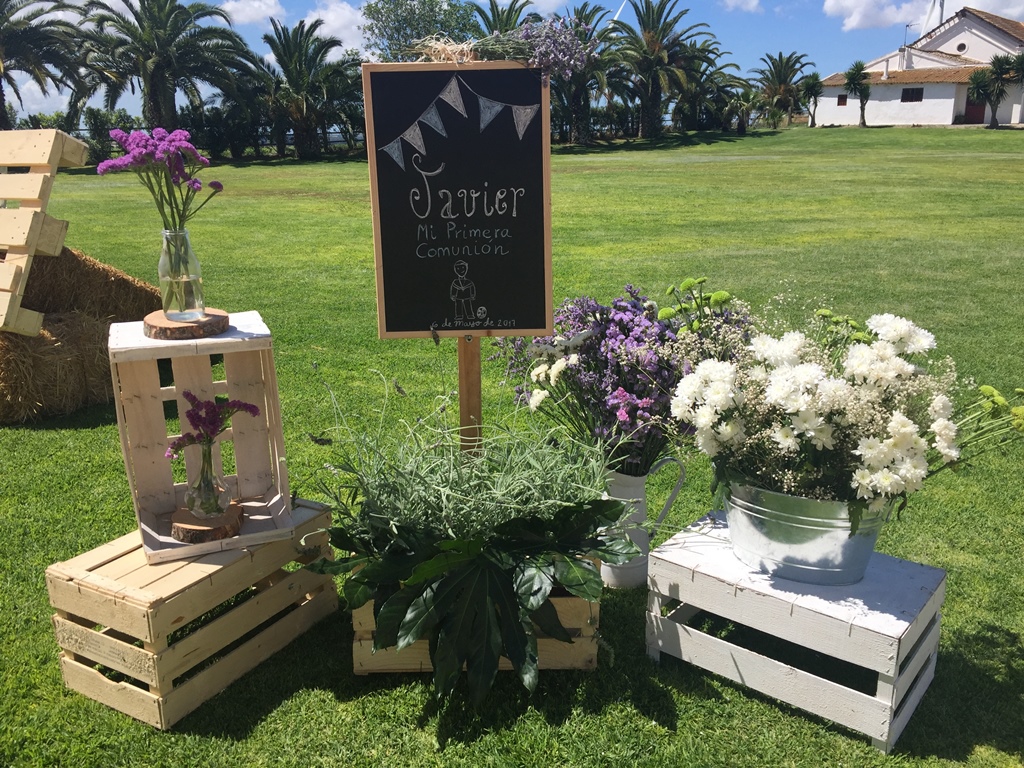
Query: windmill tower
[{"x": 934, "y": 16}]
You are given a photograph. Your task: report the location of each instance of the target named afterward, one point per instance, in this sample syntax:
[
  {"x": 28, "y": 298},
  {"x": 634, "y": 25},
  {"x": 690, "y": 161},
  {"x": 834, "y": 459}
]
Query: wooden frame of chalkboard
[{"x": 460, "y": 188}]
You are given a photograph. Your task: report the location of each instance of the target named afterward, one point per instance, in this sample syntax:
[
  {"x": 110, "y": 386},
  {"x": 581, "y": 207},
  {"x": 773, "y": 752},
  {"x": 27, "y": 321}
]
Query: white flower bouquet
[{"x": 843, "y": 413}]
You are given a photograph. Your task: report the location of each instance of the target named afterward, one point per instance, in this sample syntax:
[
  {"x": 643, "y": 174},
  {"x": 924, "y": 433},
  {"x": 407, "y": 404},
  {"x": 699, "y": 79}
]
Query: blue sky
[{"x": 832, "y": 33}]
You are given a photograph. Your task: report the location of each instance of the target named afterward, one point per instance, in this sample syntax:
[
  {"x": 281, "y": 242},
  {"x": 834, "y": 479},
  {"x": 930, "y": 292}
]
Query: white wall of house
[
  {"x": 941, "y": 103},
  {"x": 970, "y": 39}
]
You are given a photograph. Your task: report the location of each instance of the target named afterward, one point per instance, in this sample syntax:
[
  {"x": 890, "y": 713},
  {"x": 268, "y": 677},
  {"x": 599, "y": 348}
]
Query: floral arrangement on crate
[
  {"x": 842, "y": 412},
  {"x": 609, "y": 372},
  {"x": 207, "y": 497},
  {"x": 167, "y": 165},
  {"x": 557, "y": 46},
  {"x": 465, "y": 548}
]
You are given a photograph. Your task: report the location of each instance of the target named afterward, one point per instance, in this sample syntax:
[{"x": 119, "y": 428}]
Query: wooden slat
[
  {"x": 103, "y": 648},
  {"x": 14, "y": 270},
  {"x": 101, "y": 555},
  {"x": 124, "y": 697},
  {"x": 41, "y": 147},
  {"x": 274, "y": 418},
  {"x": 194, "y": 375},
  {"x": 578, "y": 616},
  {"x": 220, "y": 584},
  {"x": 31, "y": 189},
  {"x": 830, "y": 700},
  {"x": 245, "y": 378},
  {"x": 138, "y": 393},
  {"x": 224, "y": 630},
  {"x": 211, "y": 681},
  {"x": 38, "y": 232}
]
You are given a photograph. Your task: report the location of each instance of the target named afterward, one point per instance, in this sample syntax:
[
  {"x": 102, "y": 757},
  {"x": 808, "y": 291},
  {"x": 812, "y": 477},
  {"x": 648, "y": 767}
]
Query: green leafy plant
[{"x": 465, "y": 548}]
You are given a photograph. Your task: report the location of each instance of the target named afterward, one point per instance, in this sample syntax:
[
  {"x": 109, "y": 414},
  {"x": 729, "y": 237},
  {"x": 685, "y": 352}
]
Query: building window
[
  {"x": 841, "y": 102},
  {"x": 912, "y": 94},
  {"x": 961, "y": 47}
]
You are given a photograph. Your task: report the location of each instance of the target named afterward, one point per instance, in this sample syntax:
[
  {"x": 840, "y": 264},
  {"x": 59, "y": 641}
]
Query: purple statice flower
[
  {"x": 208, "y": 418},
  {"x": 617, "y": 382},
  {"x": 166, "y": 164},
  {"x": 559, "y": 46}
]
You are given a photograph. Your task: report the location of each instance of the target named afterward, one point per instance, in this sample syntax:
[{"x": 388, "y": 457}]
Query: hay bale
[
  {"x": 57, "y": 372},
  {"x": 74, "y": 282}
]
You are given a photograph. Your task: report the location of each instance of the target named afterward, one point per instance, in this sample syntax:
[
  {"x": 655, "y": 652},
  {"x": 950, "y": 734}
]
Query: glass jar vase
[{"x": 181, "y": 281}]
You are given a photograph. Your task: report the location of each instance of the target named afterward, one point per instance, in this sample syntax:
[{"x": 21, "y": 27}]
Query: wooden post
[{"x": 470, "y": 410}]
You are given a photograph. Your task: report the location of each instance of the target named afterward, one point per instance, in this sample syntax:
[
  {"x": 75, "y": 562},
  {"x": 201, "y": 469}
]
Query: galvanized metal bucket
[{"x": 792, "y": 537}]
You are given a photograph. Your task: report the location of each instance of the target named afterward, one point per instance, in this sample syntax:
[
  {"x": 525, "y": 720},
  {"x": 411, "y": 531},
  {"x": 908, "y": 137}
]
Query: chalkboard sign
[{"x": 460, "y": 190}]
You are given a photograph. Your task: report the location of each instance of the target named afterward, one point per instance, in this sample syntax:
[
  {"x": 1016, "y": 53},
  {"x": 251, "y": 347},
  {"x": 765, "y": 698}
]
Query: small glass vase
[
  {"x": 207, "y": 497},
  {"x": 181, "y": 281}
]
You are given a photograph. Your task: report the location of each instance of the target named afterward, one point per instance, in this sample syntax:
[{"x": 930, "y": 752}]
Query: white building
[{"x": 925, "y": 83}]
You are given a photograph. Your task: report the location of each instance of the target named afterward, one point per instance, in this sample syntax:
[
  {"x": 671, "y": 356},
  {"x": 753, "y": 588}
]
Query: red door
[{"x": 974, "y": 114}]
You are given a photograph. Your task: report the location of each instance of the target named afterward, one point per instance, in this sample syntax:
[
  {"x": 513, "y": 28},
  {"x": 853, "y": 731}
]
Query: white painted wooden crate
[
  {"x": 887, "y": 624},
  {"x": 260, "y": 479}
]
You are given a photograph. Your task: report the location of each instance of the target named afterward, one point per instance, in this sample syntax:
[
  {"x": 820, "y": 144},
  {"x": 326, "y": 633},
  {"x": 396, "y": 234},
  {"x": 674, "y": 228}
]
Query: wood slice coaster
[
  {"x": 156, "y": 325},
  {"x": 189, "y": 529}
]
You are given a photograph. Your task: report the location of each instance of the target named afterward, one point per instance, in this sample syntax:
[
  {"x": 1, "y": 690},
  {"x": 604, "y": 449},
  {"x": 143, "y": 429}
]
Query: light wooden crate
[
  {"x": 578, "y": 616},
  {"x": 886, "y": 626},
  {"x": 26, "y": 230},
  {"x": 128, "y": 630},
  {"x": 260, "y": 479}
]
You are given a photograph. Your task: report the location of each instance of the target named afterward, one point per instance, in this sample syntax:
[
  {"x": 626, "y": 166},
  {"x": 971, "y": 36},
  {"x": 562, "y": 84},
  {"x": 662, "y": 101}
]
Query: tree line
[{"x": 644, "y": 78}]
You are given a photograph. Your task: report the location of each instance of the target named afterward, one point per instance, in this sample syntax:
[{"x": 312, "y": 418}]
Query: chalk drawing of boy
[{"x": 463, "y": 292}]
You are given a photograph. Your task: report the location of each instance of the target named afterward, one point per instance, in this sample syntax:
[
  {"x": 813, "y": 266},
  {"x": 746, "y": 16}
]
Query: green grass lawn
[{"x": 919, "y": 222}]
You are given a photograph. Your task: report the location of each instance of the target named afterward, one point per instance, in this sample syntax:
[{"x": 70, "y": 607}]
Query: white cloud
[
  {"x": 258, "y": 12},
  {"x": 875, "y": 14},
  {"x": 544, "y": 7},
  {"x": 342, "y": 21},
  {"x": 750, "y": 6},
  {"x": 34, "y": 102}
]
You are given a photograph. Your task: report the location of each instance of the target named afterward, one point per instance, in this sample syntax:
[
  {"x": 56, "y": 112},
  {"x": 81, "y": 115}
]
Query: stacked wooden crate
[
  {"x": 578, "y": 616},
  {"x": 26, "y": 230},
  {"x": 156, "y": 641},
  {"x": 259, "y": 478}
]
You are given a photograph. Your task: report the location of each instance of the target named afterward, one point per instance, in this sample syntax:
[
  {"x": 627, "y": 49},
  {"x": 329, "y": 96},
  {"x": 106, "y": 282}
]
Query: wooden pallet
[
  {"x": 884, "y": 629},
  {"x": 260, "y": 477},
  {"x": 128, "y": 630},
  {"x": 25, "y": 228},
  {"x": 577, "y": 615}
]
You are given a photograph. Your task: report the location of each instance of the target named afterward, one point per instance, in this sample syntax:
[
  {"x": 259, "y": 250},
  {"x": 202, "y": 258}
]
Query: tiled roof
[
  {"x": 1013, "y": 28},
  {"x": 911, "y": 76},
  {"x": 953, "y": 58}
]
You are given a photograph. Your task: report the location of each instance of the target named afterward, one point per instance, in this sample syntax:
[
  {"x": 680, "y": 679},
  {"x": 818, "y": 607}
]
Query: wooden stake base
[
  {"x": 188, "y": 528},
  {"x": 156, "y": 325}
]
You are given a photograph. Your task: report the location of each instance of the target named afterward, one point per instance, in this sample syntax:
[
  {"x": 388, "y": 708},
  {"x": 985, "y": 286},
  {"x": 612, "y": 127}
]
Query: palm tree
[
  {"x": 658, "y": 56},
  {"x": 498, "y": 20},
  {"x": 743, "y": 104},
  {"x": 703, "y": 102},
  {"x": 811, "y": 90},
  {"x": 306, "y": 75},
  {"x": 33, "y": 42},
  {"x": 856, "y": 84},
  {"x": 779, "y": 79},
  {"x": 161, "y": 46},
  {"x": 575, "y": 94},
  {"x": 991, "y": 84}
]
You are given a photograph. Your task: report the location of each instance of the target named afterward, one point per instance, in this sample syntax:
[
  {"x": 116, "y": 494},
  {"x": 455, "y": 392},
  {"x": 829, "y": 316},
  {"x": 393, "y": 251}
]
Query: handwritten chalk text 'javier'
[{"x": 466, "y": 203}]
